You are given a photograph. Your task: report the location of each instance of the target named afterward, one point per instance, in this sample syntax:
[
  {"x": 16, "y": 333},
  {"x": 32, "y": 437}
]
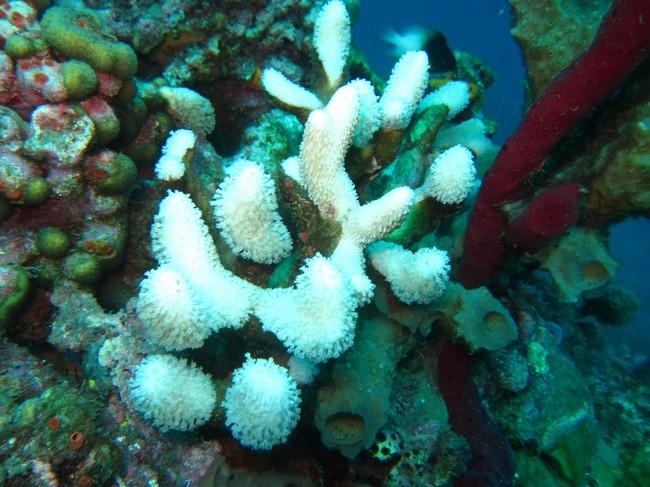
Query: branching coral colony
[
  {"x": 192, "y": 293},
  {"x": 276, "y": 252}
]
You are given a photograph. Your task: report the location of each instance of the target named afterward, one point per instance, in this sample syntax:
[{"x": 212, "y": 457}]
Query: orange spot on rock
[
  {"x": 41, "y": 78},
  {"x": 54, "y": 423},
  {"x": 76, "y": 440},
  {"x": 84, "y": 481}
]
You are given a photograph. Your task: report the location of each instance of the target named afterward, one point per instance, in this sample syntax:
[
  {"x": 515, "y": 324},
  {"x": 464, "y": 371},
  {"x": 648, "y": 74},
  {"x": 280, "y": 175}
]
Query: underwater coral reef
[{"x": 231, "y": 253}]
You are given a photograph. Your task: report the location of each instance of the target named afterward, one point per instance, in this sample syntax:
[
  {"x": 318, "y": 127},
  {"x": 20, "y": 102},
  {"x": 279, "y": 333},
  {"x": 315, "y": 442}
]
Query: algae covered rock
[
  {"x": 554, "y": 33},
  {"x": 555, "y": 404},
  {"x": 61, "y": 134}
]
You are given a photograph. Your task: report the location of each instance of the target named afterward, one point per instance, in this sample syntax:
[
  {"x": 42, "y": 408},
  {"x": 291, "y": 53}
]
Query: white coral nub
[
  {"x": 171, "y": 166},
  {"x": 369, "y": 112},
  {"x": 172, "y": 393},
  {"x": 315, "y": 319},
  {"x": 418, "y": 277},
  {"x": 451, "y": 176},
  {"x": 181, "y": 240},
  {"x": 332, "y": 40},
  {"x": 326, "y": 139},
  {"x": 455, "y": 95},
  {"x": 190, "y": 109},
  {"x": 262, "y": 404},
  {"x": 404, "y": 90},
  {"x": 376, "y": 219},
  {"x": 168, "y": 311},
  {"x": 282, "y": 88},
  {"x": 246, "y": 211}
]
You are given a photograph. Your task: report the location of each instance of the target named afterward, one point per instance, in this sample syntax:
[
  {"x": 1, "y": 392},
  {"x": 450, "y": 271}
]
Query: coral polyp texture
[
  {"x": 262, "y": 404},
  {"x": 155, "y": 393},
  {"x": 231, "y": 253}
]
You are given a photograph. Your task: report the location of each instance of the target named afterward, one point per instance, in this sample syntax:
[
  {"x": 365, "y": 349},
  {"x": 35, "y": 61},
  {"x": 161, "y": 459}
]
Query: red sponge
[
  {"x": 548, "y": 215},
  {"x": 621, "y": 44}
]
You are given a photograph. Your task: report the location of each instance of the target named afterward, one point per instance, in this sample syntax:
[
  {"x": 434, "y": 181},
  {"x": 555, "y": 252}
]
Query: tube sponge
[
  {"x": 172, "y": 393},
  {"x": 418, "y": 277},
  {"x": 332, "y": 39},
  {"x": 169, "y": 311},
  {"x": 262, "y": 404},
  {"x": 405, "y": 88},
  {"x": 246, "y": 211}
]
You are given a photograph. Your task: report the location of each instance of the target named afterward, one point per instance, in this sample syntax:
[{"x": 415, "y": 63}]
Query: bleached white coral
[
  {"x": 451, "y": 176},
  {"x": 246, "y": 211},
  {"x": 471, "y": 133},
  {"x": 291, "y": 167},
  {"x": 315, "y": 319},
  {"x": 190, "y": 109},
  {"x": 377, "y": 218},
  {"x": 181, "y": 239},
  {"x": 279, "y": 86},
  {"x": 455, "y": 95},
  {"x": 418, "y": 277},
  {"x": 301, "y": 370},
  {"x": 349, "y": 260},
  {"x": 332, "y": 39},
  {"x": 326, "y": 139},
  {"x": 369, "y": 112},
  {"x": 172, "y": 393},
  {"x": 170, "y": 166},
  {"x": 404, "y": 90},
  {"x": 262, "y": 404},
  {"x": 169, "y": 312}
]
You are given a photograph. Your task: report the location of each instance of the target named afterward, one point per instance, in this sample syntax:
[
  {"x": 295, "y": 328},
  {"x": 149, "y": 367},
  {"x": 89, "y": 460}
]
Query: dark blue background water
[{"x": 482, "y": 28}]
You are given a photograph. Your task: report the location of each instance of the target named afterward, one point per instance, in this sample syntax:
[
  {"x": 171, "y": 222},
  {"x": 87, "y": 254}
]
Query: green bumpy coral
[
  {"x": 110, "y": 172},
  {"x": 37, "y": 192},
  {"x": 18, "y": 46},
  {"x": 14, "y": 286},
  {"x": 77, "y": 33},
  {"x": 79, "y": 79},
  {"x": 83, "y": 268},
  {"x": 52, "y": 242}
]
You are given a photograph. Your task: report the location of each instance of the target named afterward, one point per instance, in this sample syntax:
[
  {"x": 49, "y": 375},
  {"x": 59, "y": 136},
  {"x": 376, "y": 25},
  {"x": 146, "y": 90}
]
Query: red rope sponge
[
  {"x": 621, "y": 44},
  {"x": 548, "y": 215}
]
